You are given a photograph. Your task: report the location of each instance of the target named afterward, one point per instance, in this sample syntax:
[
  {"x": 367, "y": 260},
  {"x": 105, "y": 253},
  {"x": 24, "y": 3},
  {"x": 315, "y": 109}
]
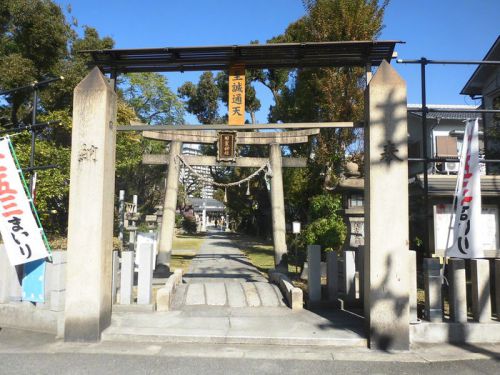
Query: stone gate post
[
  {"x": 91, "y": 205},
  {"x": 386, "y": 299}
]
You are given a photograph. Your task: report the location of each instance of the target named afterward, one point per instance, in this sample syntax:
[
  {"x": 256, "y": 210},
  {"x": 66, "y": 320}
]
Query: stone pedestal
[
  {"x": 457, "y": 287},
  {"x": 127, "y": 277},
  {"x": 412, "y": 261},
  {"x": 91, "y": 208},
  {"x": 169, "y": 205},
  {"x": 204, "y": 219},
  {"x": 433, "y": 297},
  {"x": 332, "y": 271},
  {"x": 386, "y": 292},
  {"x": 278, "y": 206},
  {"x": 314, "y": 273},
  {"x": 497, "y": 287},
  {"x": 349, "y": 265},
  {"x": 481, "y": 299},
  {"x": 145, "y": 277},
  {"x": 116, "y": 274},
  {"x": 55, "y": 279},
  {"x": 10, "y": 286}
]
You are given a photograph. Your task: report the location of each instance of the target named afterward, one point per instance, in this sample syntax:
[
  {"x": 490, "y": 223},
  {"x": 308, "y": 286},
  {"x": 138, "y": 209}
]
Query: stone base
[
  {"x": 27, "y": 316},
  {"x": 455, "y": 333}
]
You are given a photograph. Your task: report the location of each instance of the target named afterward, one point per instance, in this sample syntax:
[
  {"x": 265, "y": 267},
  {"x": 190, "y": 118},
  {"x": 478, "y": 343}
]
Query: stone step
[
  {"x": 223, "y": 325},
  {"x": 230, "y": 294}
]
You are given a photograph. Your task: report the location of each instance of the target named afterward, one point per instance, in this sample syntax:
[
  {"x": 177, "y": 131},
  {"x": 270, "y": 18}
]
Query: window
[
  {"x": 355, "y": 200},
  {"x": 446, "y": 146}
]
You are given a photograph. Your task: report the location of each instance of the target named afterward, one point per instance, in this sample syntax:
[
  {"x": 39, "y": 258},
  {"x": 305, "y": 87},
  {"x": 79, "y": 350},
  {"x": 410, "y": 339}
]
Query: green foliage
[
  {"x": 178, "y": 220},
  {"x": 52, "y": 186},
  {"x": 153, "y": 101},
  {"x": 326, "y": 94},
  {"x": 326, "y": 227},
  {"x": 202, "y": 99},
  {"x": 33, "y": 39},
  {"x": 189, "y": 224},
  {"x": 37, "y": 42},
  {"x": 146, "y": 97}
]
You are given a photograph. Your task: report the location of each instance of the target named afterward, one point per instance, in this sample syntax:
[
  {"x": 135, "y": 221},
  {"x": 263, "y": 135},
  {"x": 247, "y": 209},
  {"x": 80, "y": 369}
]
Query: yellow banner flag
[{"x": 236, "y": 98}]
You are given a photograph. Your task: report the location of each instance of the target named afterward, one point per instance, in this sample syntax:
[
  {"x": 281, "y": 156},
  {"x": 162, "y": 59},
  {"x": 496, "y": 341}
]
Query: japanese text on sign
[
  {"x": 20, "y": 233},
  {"x": 226, "y": 146},
  {"x": 236, "y": 98}
]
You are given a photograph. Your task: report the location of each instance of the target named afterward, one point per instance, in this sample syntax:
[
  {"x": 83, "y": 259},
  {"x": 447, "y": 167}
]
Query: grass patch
[
  {"x": 184, "y": 249},
  {"x": 185, "y": 242},
  {"x": 182, "y": 261},
  {"x": 260, "y": 254}
]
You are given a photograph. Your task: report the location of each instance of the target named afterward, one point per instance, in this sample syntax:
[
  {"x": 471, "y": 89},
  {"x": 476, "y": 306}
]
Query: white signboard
[
  {"x": 20, "y": 233},
  {"x": 296, "y": 227},
  {"x": 443, "y": 228}
]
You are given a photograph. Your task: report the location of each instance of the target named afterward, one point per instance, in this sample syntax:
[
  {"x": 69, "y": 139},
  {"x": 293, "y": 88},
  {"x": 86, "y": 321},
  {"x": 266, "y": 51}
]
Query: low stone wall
[
  {"x": 24, "y": 315},
  {"x": 164, "y": 296},
  {"x": 455, "y": 333},
  {"x": 293, "y": 295},
  {"x": 42, "y": 317}
]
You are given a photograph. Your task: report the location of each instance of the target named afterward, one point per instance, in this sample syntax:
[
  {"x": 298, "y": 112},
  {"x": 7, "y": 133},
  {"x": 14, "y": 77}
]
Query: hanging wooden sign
[
  {"x": 226, "y": 146},
  {"x": 236, "y": 98}
]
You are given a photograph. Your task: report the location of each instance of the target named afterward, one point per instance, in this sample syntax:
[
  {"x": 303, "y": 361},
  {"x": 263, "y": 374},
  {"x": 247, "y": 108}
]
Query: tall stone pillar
[
  {"x": 169, "y": 205},
  {"x": 277, "y": 205},
  {"x": 91, "y": 207},
  {"x": 386, "y": 212}
]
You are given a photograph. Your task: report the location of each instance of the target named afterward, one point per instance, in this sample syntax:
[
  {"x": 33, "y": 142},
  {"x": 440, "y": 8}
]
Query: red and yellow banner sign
[{"x": 236, "y": 98}]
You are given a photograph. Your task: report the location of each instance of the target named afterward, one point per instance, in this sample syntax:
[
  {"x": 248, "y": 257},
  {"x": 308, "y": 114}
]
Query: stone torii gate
[
  {"x": 90, "y": 224},
  {"x": 274, "y": 140}
]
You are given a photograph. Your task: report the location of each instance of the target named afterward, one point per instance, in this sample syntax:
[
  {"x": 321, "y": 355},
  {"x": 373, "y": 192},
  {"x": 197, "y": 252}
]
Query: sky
[{"x": 435, "y": 29}]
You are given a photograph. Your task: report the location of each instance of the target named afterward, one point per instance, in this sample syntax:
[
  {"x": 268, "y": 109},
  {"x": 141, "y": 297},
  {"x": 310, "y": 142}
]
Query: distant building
[
  {"x": 446, "y": 132},
  {"x": 484, "y": 84},
  {"x": 192, "y": 184}
]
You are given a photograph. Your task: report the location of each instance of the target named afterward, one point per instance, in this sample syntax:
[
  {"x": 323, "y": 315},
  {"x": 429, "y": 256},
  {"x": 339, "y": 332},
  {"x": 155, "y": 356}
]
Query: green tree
[
  {"x": 151, "y": 98},
  {"x": 146, "y": 97},
  {"x": 33, "y": 39},
  {"x": 326, "y": 227},
  {"x": 37, "y": 42},
  {"x": 202, "y": 99},
  {"x": 322, "y": 94}
]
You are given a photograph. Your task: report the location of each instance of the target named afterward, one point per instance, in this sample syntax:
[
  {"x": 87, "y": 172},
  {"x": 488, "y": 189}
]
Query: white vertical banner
[
  {"x": 467, "y": 202},
  {"x": 20, "y": 233}
]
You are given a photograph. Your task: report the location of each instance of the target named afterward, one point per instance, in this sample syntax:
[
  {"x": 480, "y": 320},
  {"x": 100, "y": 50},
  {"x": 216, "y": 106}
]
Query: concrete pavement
[{"x": 30, "y": 352}]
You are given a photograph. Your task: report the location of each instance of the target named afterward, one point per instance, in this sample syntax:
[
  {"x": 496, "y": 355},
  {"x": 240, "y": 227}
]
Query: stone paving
[{"x": 221, "y": 275}]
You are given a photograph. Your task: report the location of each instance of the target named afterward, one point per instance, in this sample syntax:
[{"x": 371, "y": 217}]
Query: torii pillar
[
  {"x": 169, "y": 205},
  {"x": 278, "y": 207},
  {"x": 386, "y": 266}
]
